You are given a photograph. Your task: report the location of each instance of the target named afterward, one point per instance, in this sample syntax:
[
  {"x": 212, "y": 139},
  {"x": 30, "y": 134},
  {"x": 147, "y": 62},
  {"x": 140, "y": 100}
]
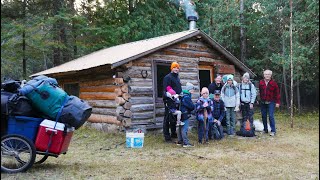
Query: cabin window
[
  {"x": 72, "y": 89},
  {"x": 162, "y": 71},
  {"x": 205, "y": 76}
]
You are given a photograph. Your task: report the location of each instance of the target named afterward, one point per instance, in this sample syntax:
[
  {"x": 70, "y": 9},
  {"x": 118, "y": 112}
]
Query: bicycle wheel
[{"x": 17, "y": 153}]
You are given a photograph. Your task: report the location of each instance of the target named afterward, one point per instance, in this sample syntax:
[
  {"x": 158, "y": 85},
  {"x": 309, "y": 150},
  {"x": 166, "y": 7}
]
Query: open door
[{"x": 205, "y": 76}]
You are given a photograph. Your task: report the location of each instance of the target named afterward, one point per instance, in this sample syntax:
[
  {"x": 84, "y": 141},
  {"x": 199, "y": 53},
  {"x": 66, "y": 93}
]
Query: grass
[{"x": 292, "y": 154}]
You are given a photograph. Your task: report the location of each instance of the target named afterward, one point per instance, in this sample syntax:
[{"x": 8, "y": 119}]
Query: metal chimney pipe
[{"x": 192, "y": 22}]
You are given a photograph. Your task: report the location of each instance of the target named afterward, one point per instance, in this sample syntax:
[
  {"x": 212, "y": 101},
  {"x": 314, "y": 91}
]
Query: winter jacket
[
  {"x": 218, "y": 110},
  {"x": 200, "y": 109},
  {"x": 173, "y": 80},
  {"x": 214, "y": 86},
  {"x": 230, "y": 95},
  {"x": 270, "y": 92},
  {"x": 186, "y": 105},
  {"x": 247, "y": 94}
]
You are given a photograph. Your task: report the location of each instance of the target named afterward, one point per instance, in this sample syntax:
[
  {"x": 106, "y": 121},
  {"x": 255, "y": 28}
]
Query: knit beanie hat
[
  {"x": 230, "y": 76},
  {"x": 246, "y": 75},
  {"x": 174, "y": 65},
  {"x": 189, "y": 86},
  {"x": 170, "y": 90}
]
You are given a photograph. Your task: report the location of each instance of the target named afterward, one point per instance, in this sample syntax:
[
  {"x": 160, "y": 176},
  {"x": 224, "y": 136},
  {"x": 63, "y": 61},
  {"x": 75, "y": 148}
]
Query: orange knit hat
[{"x": 175, "y": 65}]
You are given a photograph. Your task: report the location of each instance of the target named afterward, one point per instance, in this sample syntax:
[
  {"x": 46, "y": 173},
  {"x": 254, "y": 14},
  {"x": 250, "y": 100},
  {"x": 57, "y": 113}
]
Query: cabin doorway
[
  {"x": 205, "y": 76},
  {"x": 161, "y": 71}
]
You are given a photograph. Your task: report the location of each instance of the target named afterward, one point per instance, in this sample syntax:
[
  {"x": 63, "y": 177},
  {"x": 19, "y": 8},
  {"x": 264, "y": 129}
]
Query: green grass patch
[{"x": 292, "y": 154}]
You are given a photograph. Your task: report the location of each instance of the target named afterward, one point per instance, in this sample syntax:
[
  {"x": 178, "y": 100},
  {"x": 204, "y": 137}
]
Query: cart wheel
[{"x": 17, "y": 153}]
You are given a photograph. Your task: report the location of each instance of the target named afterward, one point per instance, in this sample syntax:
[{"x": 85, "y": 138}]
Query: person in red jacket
[{"x": 269, "y": 99}]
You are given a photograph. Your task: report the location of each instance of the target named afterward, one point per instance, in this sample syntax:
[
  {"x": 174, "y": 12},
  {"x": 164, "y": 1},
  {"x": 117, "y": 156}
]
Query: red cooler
[{"x": 60, "y": 138}]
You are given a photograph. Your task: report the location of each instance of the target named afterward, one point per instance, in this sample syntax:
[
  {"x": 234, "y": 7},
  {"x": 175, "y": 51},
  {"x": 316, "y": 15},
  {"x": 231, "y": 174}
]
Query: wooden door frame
[{"x": 207, "y": 67}]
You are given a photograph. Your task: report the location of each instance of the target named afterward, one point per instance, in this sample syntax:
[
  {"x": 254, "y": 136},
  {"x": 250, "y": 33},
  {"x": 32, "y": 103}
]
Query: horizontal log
[
  {"x": 141, "y": 90},
  {"x": 103, "y": 88},
  {"x": 126, "y": 96},
  {"x": 125, "y": 88},
  {"x": 118, "y": 92},
  {"x": 141, "y": 100},
  {"x": 127, "y": 105},
  {"x": 142, "y": 107},
  {"x": 191, "y": 76},
  {"x": 142, "y": 115},
  {"x": 104, "y": 111},
  {"x": 141, "y": 122},
  {"x": 97, "y": 118},
  {"x": 120, "y": 111},
  {"x": 160, "y": 110},
  {"x": 127, "y": 114},
  {"x": 97, "y": 96},
  {"x": 107, "y": 81},
  {"x": 120, "y": 100},
  {"x": 102, "y": 103}
]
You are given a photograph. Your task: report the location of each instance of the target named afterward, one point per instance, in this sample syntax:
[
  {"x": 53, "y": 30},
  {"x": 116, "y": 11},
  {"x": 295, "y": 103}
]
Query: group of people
[{"x": 221, "y": 100}]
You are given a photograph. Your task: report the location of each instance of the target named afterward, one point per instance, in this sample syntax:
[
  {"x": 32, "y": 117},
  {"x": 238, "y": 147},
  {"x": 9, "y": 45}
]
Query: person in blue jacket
[{"x": 186, "y": 107}]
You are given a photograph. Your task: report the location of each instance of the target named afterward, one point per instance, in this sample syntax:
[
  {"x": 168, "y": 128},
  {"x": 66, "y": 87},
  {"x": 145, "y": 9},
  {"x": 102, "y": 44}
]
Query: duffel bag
[
  {"x": 21, "y": 106},
  {"x": 75, "y": 112},
  {"x": 5, "y": 96},
  {"x": 45, "y": 95}
]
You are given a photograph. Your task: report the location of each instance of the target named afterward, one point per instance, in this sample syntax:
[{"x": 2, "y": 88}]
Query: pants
[
  {"x": 265, "y": 110},
  {"x": 230, "y": 120},
  {"x": 183, "y": 132},
  {"x": 178, "y": 113},
  {"x": 169, "y": 123},
  {"x": 247, "y": 113},
  {"x": 203, "y": 131}
]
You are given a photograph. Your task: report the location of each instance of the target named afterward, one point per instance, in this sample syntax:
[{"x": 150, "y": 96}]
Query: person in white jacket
[
  {"x": 231, "y": 98},
  {"x": 248, "y": 94}
]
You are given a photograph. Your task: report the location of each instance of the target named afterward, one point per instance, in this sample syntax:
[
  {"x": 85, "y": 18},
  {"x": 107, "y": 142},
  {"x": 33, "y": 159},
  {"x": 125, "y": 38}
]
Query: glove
[
  {"x": 219, "y": 123},
  {"x": 237, "y": 109}
]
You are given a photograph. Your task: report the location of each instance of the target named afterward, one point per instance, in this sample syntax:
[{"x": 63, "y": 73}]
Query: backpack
[
  {"x": 247, "y": 130},
  {"x": 240, "y": 89},
  {"x": 216, "y": 132}
]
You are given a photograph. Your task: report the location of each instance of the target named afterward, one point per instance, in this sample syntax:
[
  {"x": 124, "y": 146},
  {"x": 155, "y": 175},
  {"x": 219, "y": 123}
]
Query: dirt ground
[{"x": 291, "y": 154}]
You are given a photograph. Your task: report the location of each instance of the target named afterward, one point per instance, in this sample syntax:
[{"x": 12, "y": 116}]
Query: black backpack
[
  {"x": 216, "y": 133},
  {"x": 246, "y": 132}
]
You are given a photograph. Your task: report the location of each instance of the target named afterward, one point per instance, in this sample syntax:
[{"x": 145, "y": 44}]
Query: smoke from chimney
[{"x": 190, "y": 9}]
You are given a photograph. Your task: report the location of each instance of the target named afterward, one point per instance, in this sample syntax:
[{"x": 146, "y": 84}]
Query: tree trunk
[
  {"x": 24, "y": 59},
  {"x": 56, "y": 34},
  {"x": 298, "y": 96},
  {"x": 291, "y": 66},
  {"x": 284, "y": 74},
  {"x": 242, "y": 33}
]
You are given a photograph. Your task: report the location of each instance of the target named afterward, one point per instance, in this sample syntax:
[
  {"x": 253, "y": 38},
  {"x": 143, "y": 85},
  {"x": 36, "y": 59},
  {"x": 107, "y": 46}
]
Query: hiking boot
[
  {"x": 272, "y": 134},
  {"x": 179, "y": 143},
  {"x": 188, "y": 145}
]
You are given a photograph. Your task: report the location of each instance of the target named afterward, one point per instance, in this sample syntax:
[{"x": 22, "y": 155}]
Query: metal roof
[{"x": 120, "y": 54}]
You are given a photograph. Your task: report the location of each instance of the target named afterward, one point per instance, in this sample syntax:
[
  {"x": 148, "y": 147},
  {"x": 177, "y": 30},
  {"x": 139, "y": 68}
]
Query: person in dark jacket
[
  {"x": 218, "y": 114},
  {"x": 269, "y": 99},
  {"x": 216, "y": 85},
  {"x": 172, "y": 79},
  {"x": 186, "y": 107}
]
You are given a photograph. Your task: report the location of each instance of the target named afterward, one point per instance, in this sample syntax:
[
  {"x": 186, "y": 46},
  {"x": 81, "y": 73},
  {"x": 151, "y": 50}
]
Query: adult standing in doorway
[
  {"x": 216, "y": 85},
  {"x": 172, "y": 79},
  {"x": 269, "y": 99}
]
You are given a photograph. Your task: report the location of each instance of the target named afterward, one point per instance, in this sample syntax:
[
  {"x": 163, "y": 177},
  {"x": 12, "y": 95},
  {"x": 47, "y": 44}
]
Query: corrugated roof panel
[{"x": 116, "y": 53}]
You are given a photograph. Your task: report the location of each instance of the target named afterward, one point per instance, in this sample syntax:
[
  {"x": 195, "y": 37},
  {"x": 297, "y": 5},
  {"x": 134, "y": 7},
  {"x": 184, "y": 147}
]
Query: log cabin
[{"x": 123, "y": 83}]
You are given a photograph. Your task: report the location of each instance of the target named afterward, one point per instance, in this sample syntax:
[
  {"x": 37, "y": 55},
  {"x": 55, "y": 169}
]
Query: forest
[{"x": 40, "y": 34}]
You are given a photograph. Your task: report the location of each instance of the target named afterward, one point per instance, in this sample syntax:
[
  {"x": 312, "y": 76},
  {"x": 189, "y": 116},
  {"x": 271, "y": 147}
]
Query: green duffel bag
[{"x": 47, "y": 98}]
